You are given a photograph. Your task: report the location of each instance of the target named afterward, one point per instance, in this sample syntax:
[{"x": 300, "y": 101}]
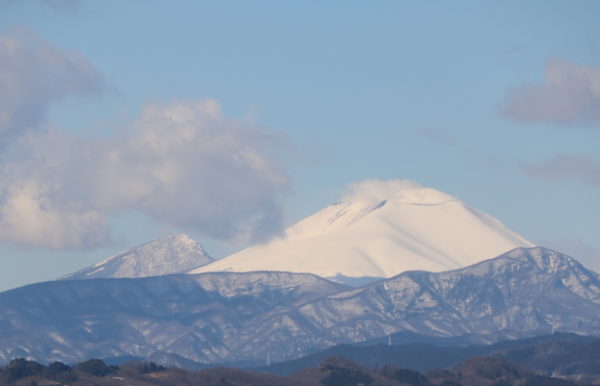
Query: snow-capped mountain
[
  {"x": 379, "y": 230},
  {"x": 220, "y": 317},
  {"x": 175, "y": 253}
]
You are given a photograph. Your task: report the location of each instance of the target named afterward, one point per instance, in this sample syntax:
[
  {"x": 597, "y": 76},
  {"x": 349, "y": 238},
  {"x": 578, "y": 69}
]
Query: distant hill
[{"x": 558, "y": 354}]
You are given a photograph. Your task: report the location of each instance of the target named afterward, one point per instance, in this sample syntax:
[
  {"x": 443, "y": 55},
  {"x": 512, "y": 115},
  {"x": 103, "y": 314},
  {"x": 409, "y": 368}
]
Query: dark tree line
[{"x": 62, "y": 373}]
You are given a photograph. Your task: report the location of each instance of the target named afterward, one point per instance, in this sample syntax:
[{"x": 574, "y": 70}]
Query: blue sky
[{"x": 255, "y": 114}]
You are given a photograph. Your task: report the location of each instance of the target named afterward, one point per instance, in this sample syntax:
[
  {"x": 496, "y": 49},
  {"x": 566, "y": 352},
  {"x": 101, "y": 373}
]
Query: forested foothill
[{"x": 333, "y": 371}]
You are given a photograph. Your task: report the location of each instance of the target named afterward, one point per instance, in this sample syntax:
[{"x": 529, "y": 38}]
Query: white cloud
[
  {"x": 576, "y": 167},
  {"x": 38, "y": 205},
  {"x": 33, "y": 73},
  {"x": 183, "y": 164},
  {"x": 30, "y": 217},
  {"x": 569, "y": 94},
  {"x": 189, "y": 166}
]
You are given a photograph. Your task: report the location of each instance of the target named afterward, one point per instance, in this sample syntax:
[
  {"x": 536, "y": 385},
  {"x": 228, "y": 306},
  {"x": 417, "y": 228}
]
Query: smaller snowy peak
[{"x": 174, "y": 253}]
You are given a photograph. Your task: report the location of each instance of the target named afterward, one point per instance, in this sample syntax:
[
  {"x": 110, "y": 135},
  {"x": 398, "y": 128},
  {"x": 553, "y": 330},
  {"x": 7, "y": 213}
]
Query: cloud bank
[
  {"x": 183, "y": 164},
  {"x": 568, "y": 95},
  {"x": 578, "y": 167}
]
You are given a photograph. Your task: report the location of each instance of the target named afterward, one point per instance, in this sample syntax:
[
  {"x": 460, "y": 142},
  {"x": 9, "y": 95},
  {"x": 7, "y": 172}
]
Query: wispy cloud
[
  {"x": 183, "y": 164},
  {"x": 578, "y": 167},
  {"x": 569, "y": 94},
  {"x": 33, "y": 74}
]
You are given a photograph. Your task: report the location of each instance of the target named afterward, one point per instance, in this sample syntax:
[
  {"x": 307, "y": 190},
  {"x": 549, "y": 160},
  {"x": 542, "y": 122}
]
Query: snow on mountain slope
[
  {"x": 175, "y": 253},
  {"x": 379, "y": 230},
  {"x": 228, "y": 316},
  {"x": 198, "y": 317},
  {"x": 524, "y": 292}
]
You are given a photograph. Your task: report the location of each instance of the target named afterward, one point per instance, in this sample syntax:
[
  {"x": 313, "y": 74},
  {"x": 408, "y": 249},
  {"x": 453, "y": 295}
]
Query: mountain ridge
[{"x": 232, "y": 317}]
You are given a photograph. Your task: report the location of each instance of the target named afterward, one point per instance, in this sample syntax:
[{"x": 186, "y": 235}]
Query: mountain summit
[
  {"x": 175, "y": 253},
  {"x": 380, "y": 229}
]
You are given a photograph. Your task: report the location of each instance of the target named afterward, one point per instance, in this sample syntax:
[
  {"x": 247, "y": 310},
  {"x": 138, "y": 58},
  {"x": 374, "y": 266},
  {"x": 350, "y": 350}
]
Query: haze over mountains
[{"x": 381, "y": 229}]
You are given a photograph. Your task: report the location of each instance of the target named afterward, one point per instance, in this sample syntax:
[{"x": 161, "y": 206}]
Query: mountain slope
[
  {"x": 381, "y": 229},
  {"x": 175, "y": 253},
  {"x": 202, "y": 318},
  {"x": 527, "y": 291},
  {"x": 227, "y": 317}
]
